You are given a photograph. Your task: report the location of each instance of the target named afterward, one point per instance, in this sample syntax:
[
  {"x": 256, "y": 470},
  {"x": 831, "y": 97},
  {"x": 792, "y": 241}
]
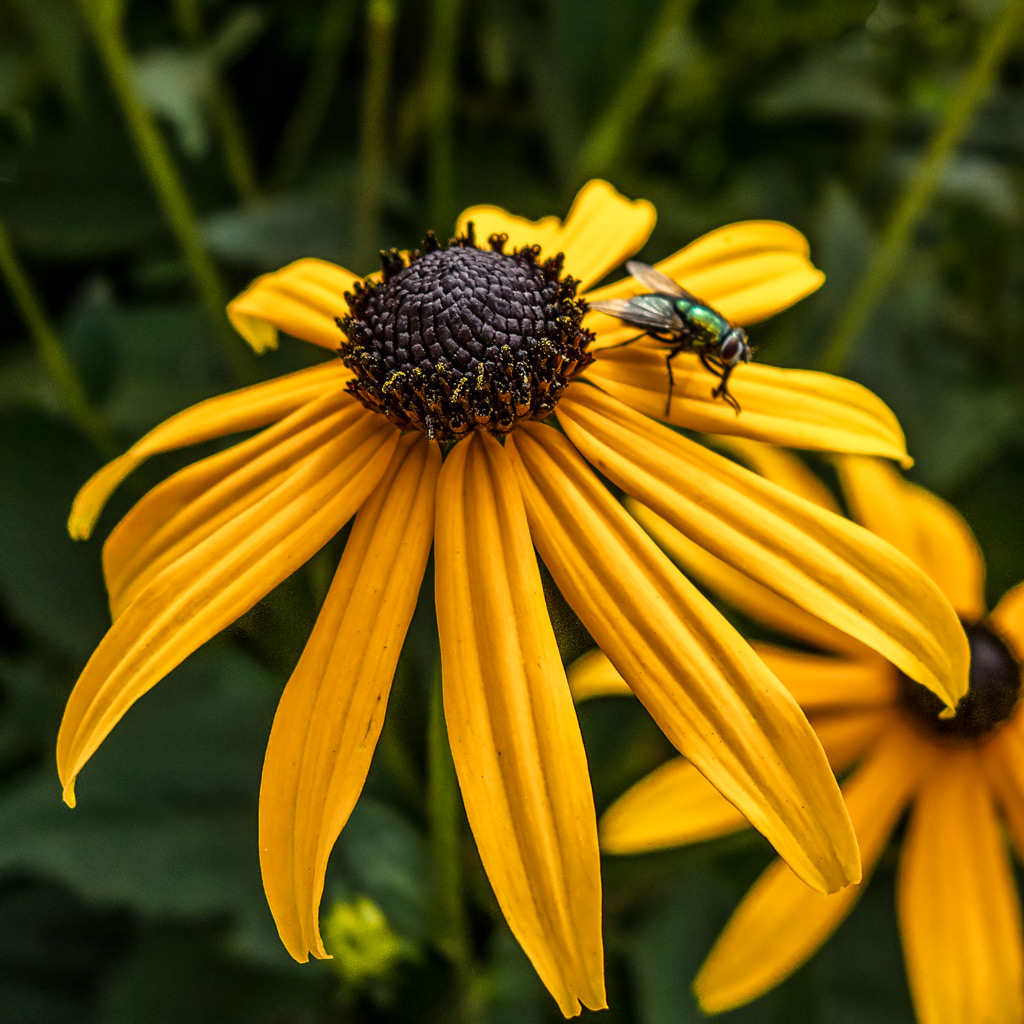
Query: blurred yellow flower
[
  {"x": 958, "y": 907},
  {"x": 462, "y": 345}
]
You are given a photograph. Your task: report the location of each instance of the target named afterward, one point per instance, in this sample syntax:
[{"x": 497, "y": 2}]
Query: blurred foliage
[{"x": 332, "y": 127}]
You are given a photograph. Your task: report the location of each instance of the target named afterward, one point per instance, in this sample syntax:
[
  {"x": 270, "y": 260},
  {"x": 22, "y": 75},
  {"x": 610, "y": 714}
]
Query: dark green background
[{"x": 145, "y": 904}]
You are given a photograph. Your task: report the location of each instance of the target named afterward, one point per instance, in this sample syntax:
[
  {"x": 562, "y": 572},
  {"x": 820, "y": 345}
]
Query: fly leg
[
  {"x": 682, "y": 346},
  {"x": 721, "y": 390},
  {"x": 622, "y": 344}
]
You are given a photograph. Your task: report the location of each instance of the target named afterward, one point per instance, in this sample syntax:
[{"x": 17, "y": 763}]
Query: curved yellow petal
[
  {"x": 781, "y": 467},
  {"x": 781, "y": 923},
  {"x": 821, "y": 562},
  {"x": 330, "y": 716},
  {"x": 514, "y": 736},
  {"x": 831, "y": 684},
  {"x": 593, "y": 675},
  {"x": 958, "y": 904},
  {"x": 922, "y": 526},
  {"x": 192, "y": 504},
  {"x": 301, "y": 299},
  {"x": 748, "y": 271},
  {"x": 217, "y": 581},
  {"x": 1003, "y": 759},
  {"x": 707, "y": 690},
  {"x": 1007, "y": 619},
  {"x": 792, "y": 408},
  {"x": 673, "y": 806},
  {"x": 602, "y": 229},
  {"x": 490, "y": 220},
  {"x": 757, "y": 602},
  {"x": 246, "y": 409}
]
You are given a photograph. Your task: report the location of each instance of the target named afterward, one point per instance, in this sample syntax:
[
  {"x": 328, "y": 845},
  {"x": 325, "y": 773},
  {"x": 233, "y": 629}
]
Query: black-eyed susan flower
[
  {"x": 958, "y": 907},
  {"x": 429, "y": 430}
]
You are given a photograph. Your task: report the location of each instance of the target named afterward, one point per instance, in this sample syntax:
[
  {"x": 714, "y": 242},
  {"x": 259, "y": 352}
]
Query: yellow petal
[
  {"x": 757, "y": 602},
  {"x": 922, "y": 526},
  {"x": 332, "y": 709},
  {"x": 845, "y": 735},
  {"x": 1007, "y": 619},
  {"x": 602, "y": 229},
  {"x": 675, "y": 805},
  {"x": 793, "y": 408},
  {"x": 515, "y": 740},
  {"x": 747, "y": 271},
  {"x": 593, "y": 675},
  {"x": 781, "y": 467},
  {"x": 490, "y": 220},
  {"x": 821, "y": 562},
  {"x": 301, "y": 299},
  {"x": 672, "y": 806},
  {"x": 958, "y": 904},
  {"x": 781, "y": 923},
  {"x": 710, "y": 694},
  {"x": 192, "y": 504},
  {"x": 1003, "y": 759},
  {"x": 246, "y": 409},
  {"x": 209, "y": 587},
  {"x": 829, "y": 684}
]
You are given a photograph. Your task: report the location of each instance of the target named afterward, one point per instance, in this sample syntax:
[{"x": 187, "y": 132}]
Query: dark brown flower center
[
  {"x": 456, "y": 337},
  {"x": 995, "y": 688}
]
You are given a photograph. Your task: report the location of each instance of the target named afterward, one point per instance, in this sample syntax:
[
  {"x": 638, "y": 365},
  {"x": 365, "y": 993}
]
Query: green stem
[
  {"x": 108, "y": 37},
  {"x": 439, "y": 88},
  {"x": 613, "y": 130},
  {"x": 226, "y": 117},
  {"x": 999, "y": 36},
  {"x": 233, "y": 141},
  {"x": 380, "y": 17},
  {"x": 53, "y": 356},
  {"x": 443, "y": 802},
  {"x": 310, "y": 110}
]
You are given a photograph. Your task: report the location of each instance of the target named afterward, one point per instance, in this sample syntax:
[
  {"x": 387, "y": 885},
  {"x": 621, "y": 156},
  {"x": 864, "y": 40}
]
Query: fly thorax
[
  {"x": 457, "y": 338},
  {"x": 709, "y": 324}
]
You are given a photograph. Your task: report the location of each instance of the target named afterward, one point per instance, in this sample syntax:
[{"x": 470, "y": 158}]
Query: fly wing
[
  {"x": 651, "y": 311},
  {"x": 653, "y": 279}
]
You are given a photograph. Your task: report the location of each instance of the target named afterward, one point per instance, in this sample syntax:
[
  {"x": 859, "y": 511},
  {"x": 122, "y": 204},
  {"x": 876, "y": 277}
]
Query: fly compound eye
[{"x": 734, "y": 348}]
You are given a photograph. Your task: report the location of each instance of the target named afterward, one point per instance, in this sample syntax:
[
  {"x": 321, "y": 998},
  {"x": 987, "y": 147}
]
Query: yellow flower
[
  {"x": 957, "y": 901},
  {"x": 482, "y": 343}
]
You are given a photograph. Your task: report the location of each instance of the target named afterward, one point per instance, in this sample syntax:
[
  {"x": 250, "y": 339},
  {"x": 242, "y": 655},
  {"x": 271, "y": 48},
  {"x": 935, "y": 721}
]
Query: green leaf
[
  {"x": 166, "y": 816},
  {"x": 168, "y": 359},
  {"x": 668, "y": 946},
  {"x": 59, "y": 39},
  {"x": 272, "y": 232},
  {"x": 862, "y": 968},
  {"x": 387, "y": 859},
  {"x": 175, "y": 84},
  {"x": 89, "y": 334},
  {"x": 80, "y": 194},
  {"x": 50, "y": 586},
  {"x": 169, "y": 977},
  {"x": 827, "y": 87},
  {"x": 51, "y": 947}
]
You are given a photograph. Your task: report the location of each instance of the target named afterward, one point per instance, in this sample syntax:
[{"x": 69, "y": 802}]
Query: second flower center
[
  {"x": 995, "y": 688},
  {"x": 457, "y": 337}
]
